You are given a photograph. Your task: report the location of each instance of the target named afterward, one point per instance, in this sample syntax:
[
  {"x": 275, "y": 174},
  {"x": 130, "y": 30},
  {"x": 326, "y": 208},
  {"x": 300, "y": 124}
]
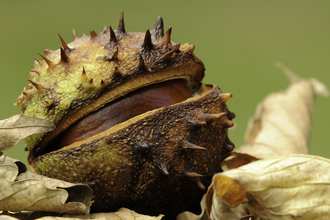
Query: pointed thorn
[
  {"x": 176, "y": 47},
  {"x": 164, "y": 168},
  {"x": 141, "y": 63},
  {"x": 198, "y": 123},
  {"x": 93, "y": 34},
  {"x": 147, "y": 44},
  {"x": 90, "y": 82},
  {"x": 115, "y": 55},
  {"x": 194, "y": 146},
  {"x": 37, "y": 85},
  {"x": 158, "y": 29},
  {"x": 37, "y": 60},
  {"x": 109, "y": 140},
  {"x": 201, "y": 123},
  {"x": 228, "y": 123},
  {"x": 116, "y": 72},
  {"x": 83, "y": 75},
  {"x": 31, "y": 74},
  {"x": 84, "y": 72},
  {"x": 199, "y": 183},
  {"x": 75, "y": 35},
  {"x": 105, "y": 29},
  {"x": 190, "y": 49},
  {"x": 28, "y": 93},
  {"x": 47, "y": 52},
  {"x": 213, "y": 117},
  {"x": 228, "y": 145},
  {"x": 49, "y": 103},
  {"x": 36, "y": 71},
  {"x": 121, "y": 25},
  {"x": 167, "y": 37},
  {"x": 48, "y": 61},
  {"x": 112, "y": 36},
  {"x": 231, "y": 115},
  {"x": 168, "y": 55},
  {"x": 225, "y": 97},
  {"x": 192, "y": 174},
  {"x": 64, "y": 57},
  {"x": 64, "y": 45},
  {"x": 102, "y": 84}
]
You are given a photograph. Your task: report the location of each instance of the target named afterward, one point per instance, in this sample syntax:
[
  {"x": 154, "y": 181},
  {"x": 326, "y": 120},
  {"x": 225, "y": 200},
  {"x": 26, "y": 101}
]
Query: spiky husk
[
  {"x": 161, "y": 161},
  {"x": 158, "y": 162},
  {"x": 99, "y": 69}
]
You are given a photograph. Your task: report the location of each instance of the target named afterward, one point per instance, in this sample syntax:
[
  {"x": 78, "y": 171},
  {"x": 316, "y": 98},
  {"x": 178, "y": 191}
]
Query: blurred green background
[{"x": 238, "y": 41}]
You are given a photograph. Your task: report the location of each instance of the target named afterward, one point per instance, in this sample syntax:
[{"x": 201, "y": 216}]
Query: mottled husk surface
[
  {"x": 99, "y": 69},
  {"x": 145, "y": 163}
]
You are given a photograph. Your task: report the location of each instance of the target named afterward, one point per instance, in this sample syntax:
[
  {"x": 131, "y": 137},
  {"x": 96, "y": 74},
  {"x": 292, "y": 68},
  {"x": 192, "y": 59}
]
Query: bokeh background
[{"x": 238, "y": 41}]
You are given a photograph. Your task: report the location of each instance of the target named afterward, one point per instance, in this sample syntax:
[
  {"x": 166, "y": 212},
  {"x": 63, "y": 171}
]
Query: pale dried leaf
[
  {"x": 226, "y": 195},
  {"x": 286, "y": 187},
  {"x": 28, "y": 215},
  {"x": 17, "y": 127},
  {"x": 7, "y": 217},
  {"x": 121, "y": 214},
  {"x": 229, "y": 191},
  {"x": 22, "y": 190},
  {"x": 282, "y": 121},
  {"x": 187, "y": 216},
  {"x": 221, "y": 210}
]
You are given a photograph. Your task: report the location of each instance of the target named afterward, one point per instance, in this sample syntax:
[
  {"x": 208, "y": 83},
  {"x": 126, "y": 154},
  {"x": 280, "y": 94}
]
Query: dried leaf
[
  {"x": 22, "y": 190},
  {"x": 237, "y": 159},
  {"x": 223, "y": 195},
  {"x": 121, "y": 214},
  {"x": 17, "y": 127},
  {"x": 283, "y": 120},
  {"x": 27, "y": 215},
  {"x": 207, "y": 202},
  {"x": 187, "y": 216},
  {"x": 221, "y": 210},
  {"x": 7, "y": 217},
  {"x": 286, "y": 187},
  {"x": 229, "y": 191}
]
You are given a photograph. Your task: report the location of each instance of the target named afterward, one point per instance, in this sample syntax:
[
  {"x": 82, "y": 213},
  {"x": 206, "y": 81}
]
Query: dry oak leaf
[
  {"x": 17, "y": 127},
  {"x": 282, "y": 121},
  {"x": 22, "y": 190},
  {"x": 285, "y": 187}
]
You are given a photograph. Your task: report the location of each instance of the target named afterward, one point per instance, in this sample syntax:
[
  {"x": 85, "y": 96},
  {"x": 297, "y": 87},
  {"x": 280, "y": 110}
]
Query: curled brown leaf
[{"x": 237, "y": 159}]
